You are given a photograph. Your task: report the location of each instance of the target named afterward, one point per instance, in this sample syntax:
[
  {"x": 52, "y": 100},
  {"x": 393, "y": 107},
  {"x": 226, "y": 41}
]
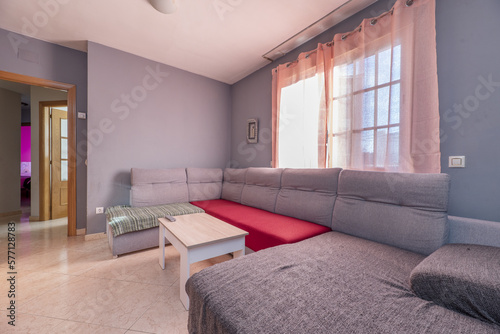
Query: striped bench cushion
[{"x": 124, "y": 219}]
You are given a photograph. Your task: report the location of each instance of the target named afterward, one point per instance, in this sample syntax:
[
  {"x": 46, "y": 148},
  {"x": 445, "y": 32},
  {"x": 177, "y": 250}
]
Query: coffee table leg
[
  {"x": 162, "y": 246},
  {"x": 240, "y": 252},
  {"x": 185, "y": 267}
]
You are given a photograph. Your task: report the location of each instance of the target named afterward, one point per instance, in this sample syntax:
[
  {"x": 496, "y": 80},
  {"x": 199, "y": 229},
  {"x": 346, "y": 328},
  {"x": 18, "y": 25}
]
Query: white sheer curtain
[
  {"x": 299, "y": 118},
  {"x": 378, "y": 89}
]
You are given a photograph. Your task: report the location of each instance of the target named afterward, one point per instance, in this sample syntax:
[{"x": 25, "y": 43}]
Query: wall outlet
[
  {"x": 99, "y": 210},
  {"x": 456, "y": 161}
]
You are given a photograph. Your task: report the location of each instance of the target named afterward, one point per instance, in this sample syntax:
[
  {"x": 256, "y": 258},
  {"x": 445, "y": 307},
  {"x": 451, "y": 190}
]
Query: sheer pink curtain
[
  {"x": 292, "y": 107},
  {"x": 380, "y": 92}
]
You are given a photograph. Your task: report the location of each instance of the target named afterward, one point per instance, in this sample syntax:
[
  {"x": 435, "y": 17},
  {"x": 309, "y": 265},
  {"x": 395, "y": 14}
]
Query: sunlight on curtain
[{"x": 299, "y": 120}]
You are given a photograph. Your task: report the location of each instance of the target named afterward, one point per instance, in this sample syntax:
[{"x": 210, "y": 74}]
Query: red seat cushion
[{"x": 265, "y": 229}]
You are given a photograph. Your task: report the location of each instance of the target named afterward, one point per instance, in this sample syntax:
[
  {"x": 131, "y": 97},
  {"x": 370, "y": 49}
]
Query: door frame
[
  {"x": 44, "y": 159},
  {"x": 71, "y": 89}
]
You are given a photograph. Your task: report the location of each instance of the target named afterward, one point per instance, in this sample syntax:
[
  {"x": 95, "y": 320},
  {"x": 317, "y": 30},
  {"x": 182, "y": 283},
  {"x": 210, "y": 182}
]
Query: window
[
  {"x": 364, "y": 124},
  {"x": 366, "y": 100}
]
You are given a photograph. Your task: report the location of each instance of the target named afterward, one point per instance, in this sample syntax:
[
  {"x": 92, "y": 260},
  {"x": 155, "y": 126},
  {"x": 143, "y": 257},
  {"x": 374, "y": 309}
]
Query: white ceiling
[{"x": 224, "y": 44}]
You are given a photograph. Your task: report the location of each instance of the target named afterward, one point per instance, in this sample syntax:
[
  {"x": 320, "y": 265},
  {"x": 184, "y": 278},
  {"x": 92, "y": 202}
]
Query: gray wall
[
  {"x": 468, "y": 49},
  {"x": 57, "y": 63},
  {"x": 10, "y": 148},
  {"x": 179, "y": 119},
  {"x": 469, "y": 53}
]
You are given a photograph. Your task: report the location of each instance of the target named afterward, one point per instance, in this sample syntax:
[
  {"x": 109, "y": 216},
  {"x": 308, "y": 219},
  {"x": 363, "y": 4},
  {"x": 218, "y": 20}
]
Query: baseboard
[
  {"x": 95, "y": 236},
  {"x": 81, "y": 231},
  {"x": 34, "y": 218},
  {"x": 12, "y": 213}
]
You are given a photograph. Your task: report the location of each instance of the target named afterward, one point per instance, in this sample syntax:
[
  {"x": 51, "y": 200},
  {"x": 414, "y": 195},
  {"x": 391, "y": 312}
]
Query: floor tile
[
  {"x": 167, "y": 315},
  {"x": 27, "y": 323},
  {"x": 83, "y": 328},
  {"x": 97, "y": 301},
  {"x": 33, "y": 284}
]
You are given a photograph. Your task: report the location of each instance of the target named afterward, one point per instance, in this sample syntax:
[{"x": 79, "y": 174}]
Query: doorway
[
  {"x": 53, "y": 159},
  {"x": 71, "y": 139}
]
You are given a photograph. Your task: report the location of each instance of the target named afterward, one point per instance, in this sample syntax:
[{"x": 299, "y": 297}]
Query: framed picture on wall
[{"x": 253, "y": 131}]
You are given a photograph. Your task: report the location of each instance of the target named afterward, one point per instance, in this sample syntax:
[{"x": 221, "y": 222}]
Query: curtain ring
[
  {"x": 409, "y": 3},
  {"x": 373, "y": 22}
]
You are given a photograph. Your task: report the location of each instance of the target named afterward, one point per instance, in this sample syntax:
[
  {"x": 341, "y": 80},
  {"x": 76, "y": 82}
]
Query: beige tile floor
[{"x": 69, "y": 285}]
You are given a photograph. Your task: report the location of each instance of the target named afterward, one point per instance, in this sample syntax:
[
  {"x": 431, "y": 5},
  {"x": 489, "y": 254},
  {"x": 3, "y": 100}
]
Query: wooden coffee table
[{"x": 198, "y": 237}]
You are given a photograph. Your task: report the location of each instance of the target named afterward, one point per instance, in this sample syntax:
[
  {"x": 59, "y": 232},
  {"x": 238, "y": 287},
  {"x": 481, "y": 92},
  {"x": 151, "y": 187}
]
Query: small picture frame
[{"x": 252, "y": 131}]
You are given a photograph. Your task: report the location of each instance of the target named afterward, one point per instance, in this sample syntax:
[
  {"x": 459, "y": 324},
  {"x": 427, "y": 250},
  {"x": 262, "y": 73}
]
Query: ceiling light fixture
[{"x": 164, "y": 6}]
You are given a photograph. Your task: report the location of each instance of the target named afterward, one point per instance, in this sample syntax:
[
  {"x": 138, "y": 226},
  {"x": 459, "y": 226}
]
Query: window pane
[
  {"x": 367, "y": 141},
  {"x": 64, "y": 148},
  {"x": 384, "y": 67},
  {"x": 393, "y": 147},
  {"x": 64, "y": 170},
  {"x": 359, "y": 77},
  {"x": 383, "y": 106},
  {"x": 368, "y": 109},
  {"x": 64, "y": 128},
  {"x": 363, "y": 110},
  {"x": 369, "y": 72},
  {"x": 395, "y": 103},
  {"x": 381, "y": 147},
  {"x": 396, "y": 63}
]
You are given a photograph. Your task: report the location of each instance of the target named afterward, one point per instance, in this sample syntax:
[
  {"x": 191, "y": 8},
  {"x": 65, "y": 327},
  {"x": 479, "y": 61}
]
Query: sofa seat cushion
[
  {"x": 331, "y": 283},
  {"x": 265, "y": 229}
]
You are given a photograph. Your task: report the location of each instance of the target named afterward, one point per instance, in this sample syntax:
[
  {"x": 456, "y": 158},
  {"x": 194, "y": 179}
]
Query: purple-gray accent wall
[
  {"x": 148, "y": 115},
  {"x": 57, "y": 63},
  {"x": 468, "y": 55}
]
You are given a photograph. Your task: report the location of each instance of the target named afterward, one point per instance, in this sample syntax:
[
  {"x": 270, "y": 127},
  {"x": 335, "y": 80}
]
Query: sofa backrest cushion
[
  {"x": 158, "y": 186},
  {"x": 204, "y": 183},
  {"x": 261, "y": 188},
  {"x": 404, "y": 210},
  {"x": 232, "y": 187},
  {"x": 308, "y": 194}
]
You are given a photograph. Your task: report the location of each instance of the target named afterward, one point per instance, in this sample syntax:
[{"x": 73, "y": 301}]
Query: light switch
[{"x": 456, "y": 161}]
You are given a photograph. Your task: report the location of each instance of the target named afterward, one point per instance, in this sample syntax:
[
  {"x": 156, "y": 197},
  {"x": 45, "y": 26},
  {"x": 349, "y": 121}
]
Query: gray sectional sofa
[
  {"x": 384, "y": 268},
  {"x": 393, "y": 261}
]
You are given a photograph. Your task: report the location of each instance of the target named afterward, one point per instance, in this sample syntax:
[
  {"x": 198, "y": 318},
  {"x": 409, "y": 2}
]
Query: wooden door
[{"x": 59, "y": 165}]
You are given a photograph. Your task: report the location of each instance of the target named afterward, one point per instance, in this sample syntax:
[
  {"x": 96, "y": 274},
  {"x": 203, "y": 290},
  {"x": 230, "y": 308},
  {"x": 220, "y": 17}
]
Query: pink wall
[{"x": 25, "y": 143}]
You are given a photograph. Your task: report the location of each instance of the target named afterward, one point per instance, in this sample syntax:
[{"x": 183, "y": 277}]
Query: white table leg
[
  {"x": 162, "y": 246},
  {"x": 185, "y": 268}
]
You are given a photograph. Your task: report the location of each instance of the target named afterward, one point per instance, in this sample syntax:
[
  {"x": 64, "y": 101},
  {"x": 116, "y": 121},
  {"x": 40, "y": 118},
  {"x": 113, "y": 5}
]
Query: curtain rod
[
  {"x": 373, "y": 21},
  {"x": 300, "y": 32}
]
